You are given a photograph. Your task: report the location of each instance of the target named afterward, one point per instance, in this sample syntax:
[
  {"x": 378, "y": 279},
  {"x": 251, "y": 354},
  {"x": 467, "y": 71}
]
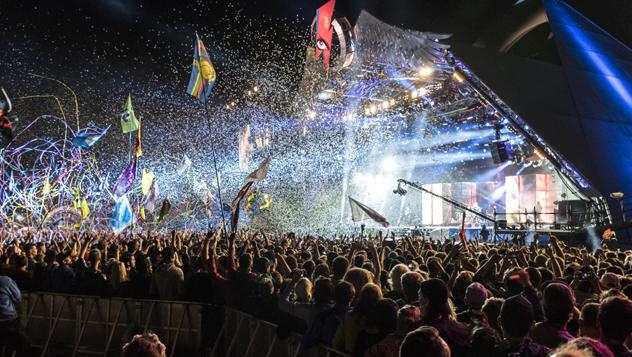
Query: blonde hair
[
  {"x": 303, "y": 290},
  {"x": 396, "y": 276}
]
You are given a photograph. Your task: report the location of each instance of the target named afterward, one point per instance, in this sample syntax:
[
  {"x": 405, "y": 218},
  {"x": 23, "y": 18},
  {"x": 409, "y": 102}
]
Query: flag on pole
[
  {"x": 324, "y": 31},
  {"x": 87, "y": 140},
  {"x": 234, "y": 212},
  {"x": 138, "y": 151},
  {"x": 202, "y": 73},
  {"x": 152, "y": 197},
  {"x": 125, "y": 180},
  {"x": 147, "y": 179},
  {"x": 261, "y": 172},
  {"x": 122, "y": 216},
  {"x": 129, "y": 122},
  {"x": 360, "y": 212}
]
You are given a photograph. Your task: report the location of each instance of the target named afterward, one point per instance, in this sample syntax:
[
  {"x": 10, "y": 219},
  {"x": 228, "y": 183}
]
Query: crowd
[{"x": 366, "y": 296}]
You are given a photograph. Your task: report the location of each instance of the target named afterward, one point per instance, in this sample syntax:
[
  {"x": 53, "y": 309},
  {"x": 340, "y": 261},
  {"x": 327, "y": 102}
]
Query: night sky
[{"x": 151, "y": 41}]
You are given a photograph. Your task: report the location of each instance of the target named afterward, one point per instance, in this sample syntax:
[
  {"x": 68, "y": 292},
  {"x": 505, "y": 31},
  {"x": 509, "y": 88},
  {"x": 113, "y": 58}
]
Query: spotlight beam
[{"x": 448, "y": 200}]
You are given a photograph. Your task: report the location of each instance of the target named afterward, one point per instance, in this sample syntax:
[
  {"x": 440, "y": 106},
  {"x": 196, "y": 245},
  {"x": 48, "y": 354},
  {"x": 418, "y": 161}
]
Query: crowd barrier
[{"x": 75, "y": 325}]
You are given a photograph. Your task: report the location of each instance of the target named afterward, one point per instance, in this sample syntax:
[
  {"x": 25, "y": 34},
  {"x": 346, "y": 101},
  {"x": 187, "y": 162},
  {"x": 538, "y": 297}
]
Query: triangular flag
[
  {"x": 234, "y": 214},
  {"x": 360, "y": 212},
  {"x": 261, "y": 172},
  {"x": 146, "y": 181},
  {"x": 88, "y": 140},
  {"x": 129, "y": 122}
]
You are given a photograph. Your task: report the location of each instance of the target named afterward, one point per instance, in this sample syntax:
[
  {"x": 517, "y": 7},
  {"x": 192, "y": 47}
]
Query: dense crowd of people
[{"x": 365, "y": 296}]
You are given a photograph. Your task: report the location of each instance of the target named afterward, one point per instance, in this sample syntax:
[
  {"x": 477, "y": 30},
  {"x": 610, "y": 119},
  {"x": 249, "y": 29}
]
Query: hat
[
  {"x": 476, "y": 294},
  {"x": 435, "y": 290},
  {"x": 610, "y": 281}
]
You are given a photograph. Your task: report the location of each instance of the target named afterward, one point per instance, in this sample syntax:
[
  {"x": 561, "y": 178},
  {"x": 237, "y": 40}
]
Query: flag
[
  {"x": 251, "y": 198},
  {"x": 267, "y": 201},
  {"x": 146, "y": 181},
  {"x": 46, "y": 188},
  {"x": 129, "y": 122},
  {"x": 125, "y": 180},
  {"x": 141, "y": 212},
  {"x": 164, "y": 210},
  {"x": 186, "y": 162},
  {"x": 87, "y": 140},
  {"x": 261, "y": 172},
  {"x": 152, "y": 197},
  {"x": 202, "y": 73},
  {"x": 122, "y": 216},
  {"x": 138, "y": 151},
  {"x": 85, "y": 210},
  {"x": 324, "y": 31},
  {"x": 234, "y": 213},
  {"x": 360, "y": 212}
]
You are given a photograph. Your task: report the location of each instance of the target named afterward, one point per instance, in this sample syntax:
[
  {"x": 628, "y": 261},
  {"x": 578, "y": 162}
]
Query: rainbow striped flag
[{"x": 202, "y": 73}]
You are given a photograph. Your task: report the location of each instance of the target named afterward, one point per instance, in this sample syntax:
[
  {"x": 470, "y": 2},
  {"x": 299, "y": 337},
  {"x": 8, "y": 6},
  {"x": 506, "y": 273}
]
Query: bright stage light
[
  {"x": 425, "y": 71},
  {"x": 256, "y": 89},
  {"x": 421, "y": 91},
  {"x": 413, "y": 94},
  {"x": 389, "y": 163},
  {"x": 391, "y": 102},
  {"x": 458, "y": 77},
  {"x": 385, "y": 104}
]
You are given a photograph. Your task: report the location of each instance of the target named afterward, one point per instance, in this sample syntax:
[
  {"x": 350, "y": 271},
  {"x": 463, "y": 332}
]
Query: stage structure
[{"x": 423, "y": 117}]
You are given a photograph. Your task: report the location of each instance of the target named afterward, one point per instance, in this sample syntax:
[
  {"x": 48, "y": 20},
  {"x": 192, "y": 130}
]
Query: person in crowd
[
  {"x": 588, "y": 321},
  {"x": 424, "y": 342},
  {"x": 168, "y": 280},
  {"x": 436, "y": 311},
  {"x": 331, "y": 290},
  {"x": 407, "y": 317},
  {"x": 11, "y": 336},
  {"x": 359, "y": 319},
  {"x": 145, "y": 345},
  {"x": 582, "y": 347},
  {"x": 559, "y": 305},
  {"x": 516, "y": 320},
  {"x": 615, "y": 324}
]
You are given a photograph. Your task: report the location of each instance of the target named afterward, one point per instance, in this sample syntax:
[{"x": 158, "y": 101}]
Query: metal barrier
[
  {"x": 245, "y": 335},
  {"x": 85, "y": 325},
  {"x": 75, "y": 325}
]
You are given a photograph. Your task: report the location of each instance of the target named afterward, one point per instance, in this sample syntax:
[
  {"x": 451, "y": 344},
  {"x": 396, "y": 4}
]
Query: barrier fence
[{"x": 74, "y": 325}]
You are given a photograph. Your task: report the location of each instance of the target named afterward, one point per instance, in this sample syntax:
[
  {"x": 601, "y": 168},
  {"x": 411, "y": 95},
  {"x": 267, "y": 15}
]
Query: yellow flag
[
  {"x": 146, "y": 181},
  {"x": 142, "y": 212},
  {"x": 85, "y": 210},
  {"x": 139, "y": 149},
  {"x": 46, "y": 188}
]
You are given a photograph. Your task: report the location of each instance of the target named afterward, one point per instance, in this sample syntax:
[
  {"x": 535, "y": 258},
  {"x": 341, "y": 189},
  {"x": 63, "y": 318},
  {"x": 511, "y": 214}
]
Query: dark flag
[{"x": 360, "y": 212}]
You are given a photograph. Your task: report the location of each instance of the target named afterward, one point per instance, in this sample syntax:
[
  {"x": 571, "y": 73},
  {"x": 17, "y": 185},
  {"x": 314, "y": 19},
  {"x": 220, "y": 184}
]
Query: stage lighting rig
[{"x": 400, "y": 190}]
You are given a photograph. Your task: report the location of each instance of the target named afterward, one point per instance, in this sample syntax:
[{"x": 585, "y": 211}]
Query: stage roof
[{"x": 582, "y": 108}]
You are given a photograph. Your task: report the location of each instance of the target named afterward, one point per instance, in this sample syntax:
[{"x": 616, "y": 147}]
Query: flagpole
[{"x": 219, "y": 187}]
